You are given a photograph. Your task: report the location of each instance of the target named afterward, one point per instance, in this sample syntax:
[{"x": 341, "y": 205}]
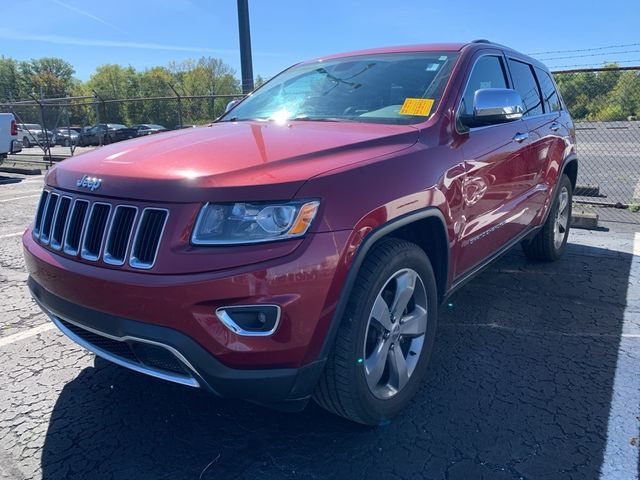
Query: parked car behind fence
[
  {"x": 66, "y": 136},
  {"x": 148, "y": 129},
  {"x": 105, "y": 133},
  {"x": 32, "y": 134}
]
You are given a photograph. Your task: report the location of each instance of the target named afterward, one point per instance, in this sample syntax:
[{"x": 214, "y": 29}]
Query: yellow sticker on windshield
[{"x": 417, "y": 106}]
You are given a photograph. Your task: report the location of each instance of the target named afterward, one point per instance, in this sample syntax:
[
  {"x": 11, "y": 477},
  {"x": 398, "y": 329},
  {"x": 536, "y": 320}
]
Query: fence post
[
  {"x": 46, "y": 149},
  {"x": 179, "y": 103},
  {"x": 66, "y": 114},
  {"x": 104, "y": 111}
]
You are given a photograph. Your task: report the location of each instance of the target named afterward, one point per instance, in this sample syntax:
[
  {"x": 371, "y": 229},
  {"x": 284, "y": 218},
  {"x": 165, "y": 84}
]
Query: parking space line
[
  {"x": 17, "y": 198},
  {"x": 620, "y": 459},
  {"x": 16, "y": 337},
  {"x": 546, "y": 333},
  {"x": 25, "y": 192},
  {"x": 10, "y": 235}
]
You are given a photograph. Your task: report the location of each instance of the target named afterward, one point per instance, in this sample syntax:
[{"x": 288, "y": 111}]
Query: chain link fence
[
  {"x": 605, "y": 106},
  {"x": 51, "y": 129}
]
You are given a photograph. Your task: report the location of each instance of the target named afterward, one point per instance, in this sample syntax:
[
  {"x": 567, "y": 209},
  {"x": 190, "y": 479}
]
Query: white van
[{"x": 9, "y": 142}]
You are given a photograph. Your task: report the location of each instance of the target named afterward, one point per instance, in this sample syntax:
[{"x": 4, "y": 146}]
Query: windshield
[{"x": 400, "y": 88}]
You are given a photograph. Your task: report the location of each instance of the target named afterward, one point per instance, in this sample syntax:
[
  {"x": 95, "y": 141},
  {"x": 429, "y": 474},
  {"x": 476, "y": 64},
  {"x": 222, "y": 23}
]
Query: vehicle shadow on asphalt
[{"x": 519, "y": 387}]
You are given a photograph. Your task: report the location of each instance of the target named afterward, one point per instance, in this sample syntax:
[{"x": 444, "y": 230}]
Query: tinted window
[
  {"x": 525, "y": 83},
  {"x": 488, "y": 72},
  {"x": 549, "y": 94}
]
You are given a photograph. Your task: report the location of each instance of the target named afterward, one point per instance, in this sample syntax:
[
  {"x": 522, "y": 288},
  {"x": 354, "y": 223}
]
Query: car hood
[{"x": 229, "y": 161}]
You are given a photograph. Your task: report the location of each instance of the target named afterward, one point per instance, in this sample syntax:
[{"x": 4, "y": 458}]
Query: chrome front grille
[
  {"x": 47, "y": 220},
  {"x": 119, "y": 236},
  {"x": 99, "y": 230},
  {"x": 75, "y": 227},
  {"x": 95, "y": 231},
  {"x": 60, "y": 220},
  {"x": 147, "y": 239}
]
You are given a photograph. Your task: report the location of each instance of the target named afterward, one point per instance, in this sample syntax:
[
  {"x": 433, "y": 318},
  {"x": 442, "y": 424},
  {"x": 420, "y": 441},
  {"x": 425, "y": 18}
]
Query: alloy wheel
[
  {"x": 562, "y": 218},
  {"x": 395, "y": 333}
]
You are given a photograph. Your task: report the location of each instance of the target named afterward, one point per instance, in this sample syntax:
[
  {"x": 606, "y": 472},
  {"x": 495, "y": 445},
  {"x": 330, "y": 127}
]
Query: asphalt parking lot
[{"x": 535, "y": 375}]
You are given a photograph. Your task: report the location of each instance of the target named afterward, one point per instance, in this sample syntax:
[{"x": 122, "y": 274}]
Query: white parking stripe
[
  {"x": 16, "y": 337},
  {"x": 10, "y": 235},
  {"x": 24, "y": 192},
  {"x": 18, "y": 198},
  {"x": 621, "y": 454}
]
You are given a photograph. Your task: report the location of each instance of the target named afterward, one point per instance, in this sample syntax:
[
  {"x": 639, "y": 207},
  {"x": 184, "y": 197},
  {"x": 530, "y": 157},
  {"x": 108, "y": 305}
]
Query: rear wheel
[
  {"x": 550, "y": 242},
  {"x": 384, "y": 341}
]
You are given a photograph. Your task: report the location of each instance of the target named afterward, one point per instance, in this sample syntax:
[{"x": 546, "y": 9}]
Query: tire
[
  {"x": 67, "y": 142},
  {"x": 348, "y": 386},
  {"x": 550, "y": 242},
  {"x": 26, "y": 143}
]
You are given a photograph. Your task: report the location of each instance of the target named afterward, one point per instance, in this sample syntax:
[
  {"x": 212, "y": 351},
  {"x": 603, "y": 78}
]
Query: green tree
[
  {"x": 49, "y": 76},
  {"x": 9, "y": 79},
  {"x": 259, "y": 81},
  {"x": 601, "y": 96},
  {"x": 206, "y": 76},
  {"x": 112, "y": 82},
  {"x": 157, "y": 82}
]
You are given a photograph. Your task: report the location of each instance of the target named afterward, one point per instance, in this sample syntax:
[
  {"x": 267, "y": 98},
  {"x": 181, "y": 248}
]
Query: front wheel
[
  {"x": 385, "y": 339},
  {"x": 26, "y": 143},
  {"x": 550, "y": 242}
]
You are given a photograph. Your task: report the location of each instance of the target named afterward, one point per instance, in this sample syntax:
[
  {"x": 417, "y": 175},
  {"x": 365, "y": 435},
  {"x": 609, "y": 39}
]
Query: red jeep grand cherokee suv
[{"x": 300, "y": 246}]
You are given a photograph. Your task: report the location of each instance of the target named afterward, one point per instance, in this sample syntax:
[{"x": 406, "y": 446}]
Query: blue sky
[{"x": 145, "y": 33}]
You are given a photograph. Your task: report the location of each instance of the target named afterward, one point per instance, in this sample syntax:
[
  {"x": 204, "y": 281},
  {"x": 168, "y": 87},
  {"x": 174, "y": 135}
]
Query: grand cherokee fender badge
[{"x": 92, "y": 183}]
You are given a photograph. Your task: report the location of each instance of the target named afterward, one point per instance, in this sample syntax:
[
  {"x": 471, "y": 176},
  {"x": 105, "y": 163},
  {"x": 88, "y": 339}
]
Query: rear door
[
  {"x": 550, "y": 133},
  {"x": 541, "y": 115},
  {"x": 497, "y": 179}
]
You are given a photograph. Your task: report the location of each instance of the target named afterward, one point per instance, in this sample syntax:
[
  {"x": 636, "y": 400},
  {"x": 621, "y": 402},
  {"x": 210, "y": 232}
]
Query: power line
[
  {"x": 590, "y": 55},
  {"x": 595, "y": 64},
  {"x": 586, "y": 49}
]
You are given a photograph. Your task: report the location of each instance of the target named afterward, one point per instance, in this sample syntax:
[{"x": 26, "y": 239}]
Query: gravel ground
[{"x": 535, "y": 375}]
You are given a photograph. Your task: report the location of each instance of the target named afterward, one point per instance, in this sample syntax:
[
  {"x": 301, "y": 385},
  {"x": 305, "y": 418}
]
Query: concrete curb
[
  {"x": 587, "y": 190},
  {"x": 22, "y": 171},
  {"x": 585, "y": 220}
]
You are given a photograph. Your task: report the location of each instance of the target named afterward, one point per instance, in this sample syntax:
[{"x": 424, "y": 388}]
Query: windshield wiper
[
  {"x": 247, "y": 119},
  {"x": 306, "y": 118}
]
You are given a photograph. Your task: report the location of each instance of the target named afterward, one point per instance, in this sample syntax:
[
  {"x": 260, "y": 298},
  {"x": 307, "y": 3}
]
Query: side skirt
[{"x": 479, "y": 268}]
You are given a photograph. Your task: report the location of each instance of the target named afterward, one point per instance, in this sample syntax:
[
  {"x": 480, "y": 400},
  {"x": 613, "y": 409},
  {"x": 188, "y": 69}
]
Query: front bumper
[
  {"x": 116, "y": 313},
  {"x": 16, "y": 146},
  {"x": 124, "y": 342}
]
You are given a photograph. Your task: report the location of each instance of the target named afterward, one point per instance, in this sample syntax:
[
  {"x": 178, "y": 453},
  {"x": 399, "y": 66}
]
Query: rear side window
[
  {"x": 525, "y": 84},
  {"x": 549, "y": 94},
  {"x": 488, "y": 72}
]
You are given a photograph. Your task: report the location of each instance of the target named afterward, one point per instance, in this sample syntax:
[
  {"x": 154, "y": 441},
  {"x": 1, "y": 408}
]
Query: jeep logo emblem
[{"x": 92, "y": 183}]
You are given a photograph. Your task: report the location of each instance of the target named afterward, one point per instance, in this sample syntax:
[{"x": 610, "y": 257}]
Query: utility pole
[{"x": 246, "y": 64}]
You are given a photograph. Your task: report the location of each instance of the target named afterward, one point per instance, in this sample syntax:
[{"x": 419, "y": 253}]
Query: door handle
[
  {"x": 521, "y": 137},
  {"x": 555, "y": 126}
]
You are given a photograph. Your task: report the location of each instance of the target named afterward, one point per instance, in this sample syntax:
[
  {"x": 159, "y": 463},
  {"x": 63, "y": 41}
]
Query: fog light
[{"x": 250, "y": 320}]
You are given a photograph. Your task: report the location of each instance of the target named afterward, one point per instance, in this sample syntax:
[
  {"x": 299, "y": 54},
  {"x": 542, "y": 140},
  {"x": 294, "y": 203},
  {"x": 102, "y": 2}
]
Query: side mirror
[
  {"x": 494, "y": 105},
  {"x": 231, "y": 104}
]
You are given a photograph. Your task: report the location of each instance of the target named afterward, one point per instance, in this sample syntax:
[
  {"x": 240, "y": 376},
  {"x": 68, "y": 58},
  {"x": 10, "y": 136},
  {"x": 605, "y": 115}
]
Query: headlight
[{"x": 237, "y": 223}]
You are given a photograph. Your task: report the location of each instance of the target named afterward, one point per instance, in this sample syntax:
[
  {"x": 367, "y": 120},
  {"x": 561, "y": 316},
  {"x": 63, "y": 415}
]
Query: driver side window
[{"x": 488, "y": 72}]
